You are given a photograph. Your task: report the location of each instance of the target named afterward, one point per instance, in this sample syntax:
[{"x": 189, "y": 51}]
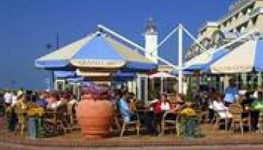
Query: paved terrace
[{"x": 212, "y": 140}]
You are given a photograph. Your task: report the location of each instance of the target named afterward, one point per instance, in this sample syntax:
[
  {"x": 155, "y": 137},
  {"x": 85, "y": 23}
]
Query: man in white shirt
[
  {"x": 8, "y": 97},
  {"x": 14, "y": 99}
]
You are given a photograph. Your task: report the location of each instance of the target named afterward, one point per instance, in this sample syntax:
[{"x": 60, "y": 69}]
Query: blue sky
[{"x": 27, "y": 26}]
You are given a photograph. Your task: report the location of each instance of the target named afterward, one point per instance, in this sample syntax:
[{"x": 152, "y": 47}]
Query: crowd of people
[
  {"x": 153, "y": 110},
  {"x": 19, "y": 101},
  {"x": 128, "y": 106},
  {"x": 222, "y": 103}
]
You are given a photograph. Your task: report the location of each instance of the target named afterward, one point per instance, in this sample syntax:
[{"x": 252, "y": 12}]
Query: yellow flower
[
  {"x": 35, "y": 111},
  {"x": 188, "y": 112}
]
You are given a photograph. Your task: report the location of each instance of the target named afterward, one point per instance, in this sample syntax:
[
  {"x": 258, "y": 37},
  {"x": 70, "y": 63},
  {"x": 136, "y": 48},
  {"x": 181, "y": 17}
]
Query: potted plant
[
  {"x": 34, "y": 118},
  {"x": 189, "y": 122},
  {"x": 95, "y": 112}
]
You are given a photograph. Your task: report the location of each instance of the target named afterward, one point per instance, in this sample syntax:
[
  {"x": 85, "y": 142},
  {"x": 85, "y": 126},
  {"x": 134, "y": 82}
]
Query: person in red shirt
[
  {"x": 160, "y": 108},
  {"x": 162, "y": 105}
]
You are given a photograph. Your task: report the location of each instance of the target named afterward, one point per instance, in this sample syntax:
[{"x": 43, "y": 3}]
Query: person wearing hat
[
  {"x": 20, "y": 109},
  {"x": 22, "y": 100}
]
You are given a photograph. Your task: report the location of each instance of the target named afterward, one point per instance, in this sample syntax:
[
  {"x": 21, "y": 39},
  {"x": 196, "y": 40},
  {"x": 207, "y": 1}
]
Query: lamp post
[{"x": 55, "y": 47}]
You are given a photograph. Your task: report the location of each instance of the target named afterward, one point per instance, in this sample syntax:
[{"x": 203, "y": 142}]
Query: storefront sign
[
  {"x": 231, "y": 69},
  {"x": 97, "y": 63}
]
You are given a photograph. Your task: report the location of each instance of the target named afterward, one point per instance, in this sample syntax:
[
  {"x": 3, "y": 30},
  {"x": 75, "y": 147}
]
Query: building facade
[{"x": 242, "y": 17}]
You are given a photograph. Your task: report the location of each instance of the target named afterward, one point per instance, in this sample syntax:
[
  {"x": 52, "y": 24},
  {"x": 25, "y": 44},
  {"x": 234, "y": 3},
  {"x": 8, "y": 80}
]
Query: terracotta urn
[{"x": 94, "y": 116}]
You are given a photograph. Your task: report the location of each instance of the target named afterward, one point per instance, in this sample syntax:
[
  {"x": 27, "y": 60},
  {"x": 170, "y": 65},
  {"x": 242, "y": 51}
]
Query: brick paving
[{"x": 211, "y": 140}]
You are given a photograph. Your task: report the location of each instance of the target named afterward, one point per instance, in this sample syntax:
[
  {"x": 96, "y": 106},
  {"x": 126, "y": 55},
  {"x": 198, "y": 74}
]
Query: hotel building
[{"x": 243, "y": 16}]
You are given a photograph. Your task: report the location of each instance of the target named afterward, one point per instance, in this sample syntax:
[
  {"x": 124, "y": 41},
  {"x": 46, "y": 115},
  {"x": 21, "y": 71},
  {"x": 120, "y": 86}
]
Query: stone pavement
[{"x": 213, "y": 140}]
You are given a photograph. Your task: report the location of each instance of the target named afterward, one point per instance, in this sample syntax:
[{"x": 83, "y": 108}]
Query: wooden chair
[
  {"x": 56, "y": 120},
  {"x": 116, "y": 119},
  {"x": 71, "y": 114},
  {"x": 218, "y": 117},
  {"x": 170, "y": 119},
  {"x": 236, "y": 110},
  {"x": 134, "y": 122},
  {"x": 260, "y": 121}
]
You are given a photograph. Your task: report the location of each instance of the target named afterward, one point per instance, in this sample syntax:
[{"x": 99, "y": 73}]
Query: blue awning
[
  {"x": 203, "y": 61},
  {"x": 96, "y": 51},
  {"x": 242, "y": 59}
]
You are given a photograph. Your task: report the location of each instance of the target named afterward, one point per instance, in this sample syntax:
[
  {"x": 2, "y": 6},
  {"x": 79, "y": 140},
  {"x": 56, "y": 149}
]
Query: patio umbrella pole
[
  {"x": 161, "y": 85},
  {"x": 180, "y": 58}
]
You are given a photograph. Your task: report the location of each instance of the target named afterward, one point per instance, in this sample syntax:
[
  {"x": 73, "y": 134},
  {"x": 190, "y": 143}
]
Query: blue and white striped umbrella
[
  {"x": 245, "y": 58},
  {"x": 98, "y": 50},
  {"x": 203, "y": 61}
]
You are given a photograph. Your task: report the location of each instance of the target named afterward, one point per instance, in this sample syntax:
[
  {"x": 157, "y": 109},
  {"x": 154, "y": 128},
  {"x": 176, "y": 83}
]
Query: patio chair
[
  {"x": 56, "y": 120},
  {"x": 135, "y": 121},
  {"x": 170, "y": 121},
  {"x": 71, "y": 116},
  {"x": 222, "y": 115},
  {"x": 116, "y": 119},
  {"x": 236, "y": 110},
  {"x": 260, "y": 122}
]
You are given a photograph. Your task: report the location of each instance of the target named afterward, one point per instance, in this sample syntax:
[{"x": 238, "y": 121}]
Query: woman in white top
[{"x": 220, "y": 108}]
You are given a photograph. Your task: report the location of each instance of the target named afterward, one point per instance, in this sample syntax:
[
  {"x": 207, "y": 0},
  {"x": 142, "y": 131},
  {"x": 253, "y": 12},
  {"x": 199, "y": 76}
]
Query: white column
[
  {"x": 161, "y": 89},
  {"x": 180, "y": 58},
  {"x": 146, "y": 89}
]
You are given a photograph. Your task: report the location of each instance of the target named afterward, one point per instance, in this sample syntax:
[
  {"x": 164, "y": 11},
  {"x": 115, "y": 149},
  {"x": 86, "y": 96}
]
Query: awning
[
  {"x": 98, "y": 50},
  {"x": 204, "y": 60},
  {"x": 245, "y": 58}
]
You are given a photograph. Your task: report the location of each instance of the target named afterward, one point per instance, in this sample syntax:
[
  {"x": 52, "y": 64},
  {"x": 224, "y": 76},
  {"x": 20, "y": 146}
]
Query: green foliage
[
  {"x": 189, "y": 94},
  {"x": 190, "y": 126},
  {"x": 154, "y": 93}
]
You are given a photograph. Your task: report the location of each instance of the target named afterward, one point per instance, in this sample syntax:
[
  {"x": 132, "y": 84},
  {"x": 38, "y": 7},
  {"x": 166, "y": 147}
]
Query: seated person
[
  {"x": 255, "y": 94},
  {"x": 132, "y": 102},
  {"x": 257, "y": 106},
  {"x": 231, "y": 93},
  {"x": 219, "y": 107},
  {"x": 124, "y": 108},
  {"x": 258, "y": 103},
  {"x": 57, "y": 102},
  {"x": 162, "y": 105},
  {"x": 176, "y": 103},
  {"x": 247, "y": 100},
  {"x": 41, "y": 101},
  {"x": 160, "y": 108}
]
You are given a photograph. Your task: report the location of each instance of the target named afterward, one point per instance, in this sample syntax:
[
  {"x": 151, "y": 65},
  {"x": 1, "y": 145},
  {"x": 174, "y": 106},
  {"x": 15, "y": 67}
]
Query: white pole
[
  {"x": 135, "y": 45},
  {"x": 180, "y": 58},
  {"x": 161, "y": 85}
]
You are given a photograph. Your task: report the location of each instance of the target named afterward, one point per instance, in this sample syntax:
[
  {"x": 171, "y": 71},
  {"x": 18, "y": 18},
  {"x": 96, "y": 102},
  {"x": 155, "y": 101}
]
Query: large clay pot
[{"x": 94, "y": 117}]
